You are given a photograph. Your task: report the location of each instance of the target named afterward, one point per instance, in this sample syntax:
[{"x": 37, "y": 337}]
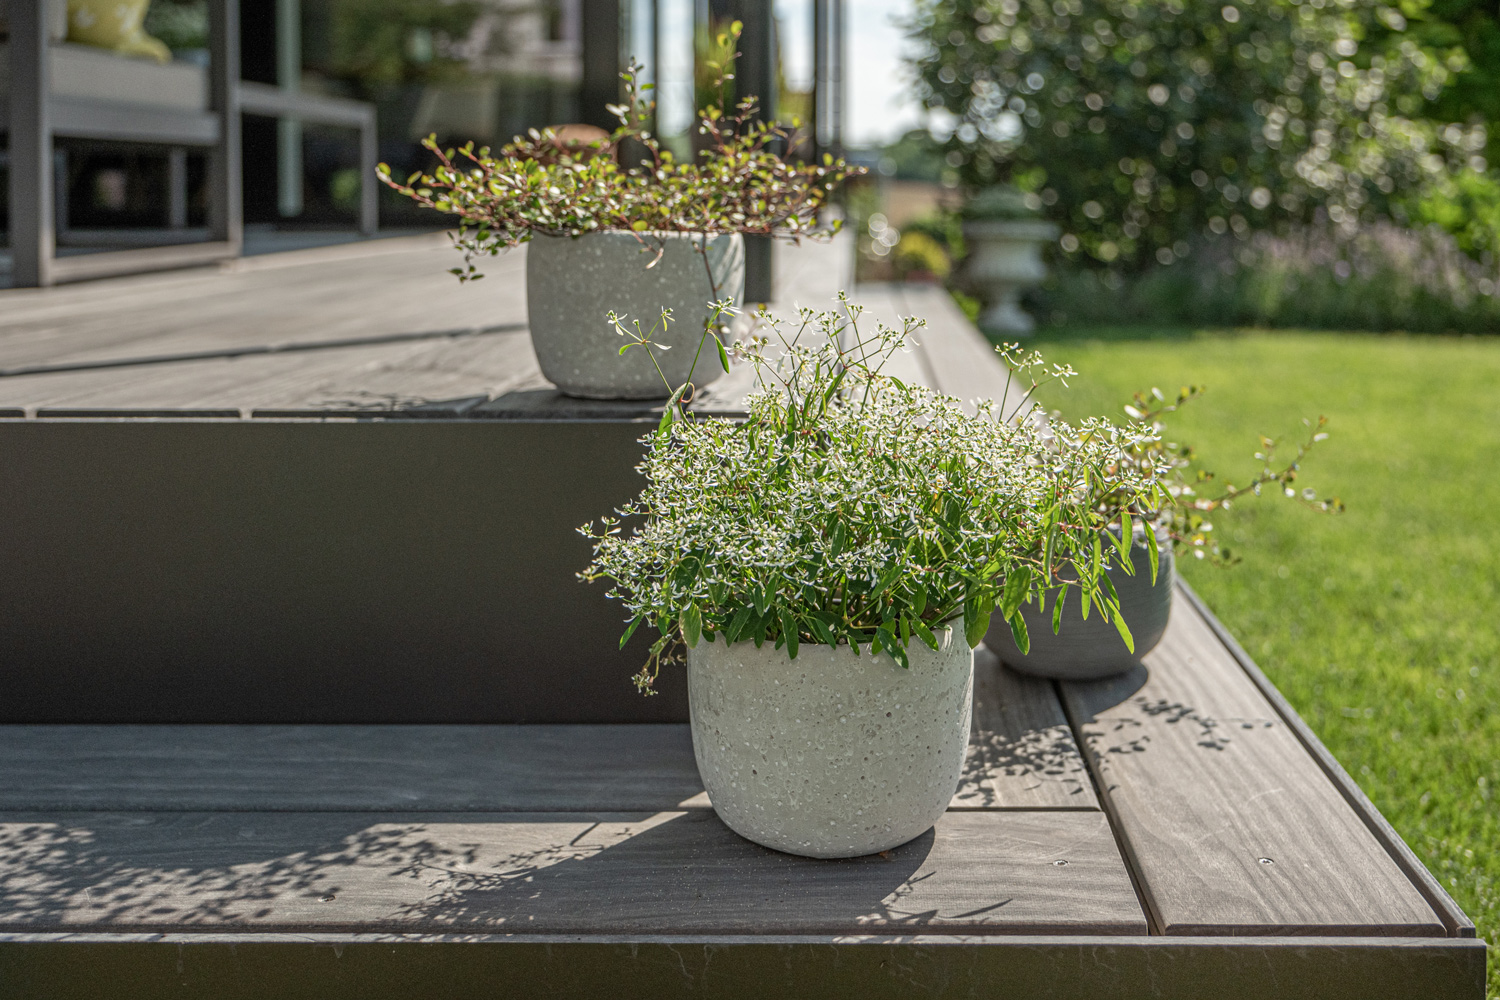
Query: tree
[{"x": 1142, "y": 124}]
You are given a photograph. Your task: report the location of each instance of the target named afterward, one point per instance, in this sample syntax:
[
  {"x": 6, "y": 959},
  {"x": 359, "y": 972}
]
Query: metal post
[
  {"x": 819, "y": 124},
  {"x": 225, "y": 213},
  {"x": 33, "y": 240},
  {"x": 602, "y": 34},
  {"x": 755, "y": 73},
  {"x": 289, "y": 130},
  {"x": 369, "y": 189},
  {"x": 836, "y": 68}
]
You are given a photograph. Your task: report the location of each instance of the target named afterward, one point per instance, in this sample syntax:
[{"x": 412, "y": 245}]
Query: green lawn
[{"x": 1381, "y": 625}]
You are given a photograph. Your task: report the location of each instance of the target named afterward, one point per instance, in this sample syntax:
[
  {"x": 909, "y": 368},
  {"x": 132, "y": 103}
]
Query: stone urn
[
  {"x": 1005, "y": 259},
  {"x": 1086, "y": 650},
  {"x": 572, "y": 284},
  {"x": 830, "y": 755}
]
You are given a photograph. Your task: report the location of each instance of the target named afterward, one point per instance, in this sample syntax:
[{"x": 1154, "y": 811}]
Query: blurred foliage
[
  {"x": 181, "y": 24},
  {"x": 917, "y": 253},
  {"x": 1002, "y": 202},
  {"x": 1474, "y": 26},
  {"x": 1142, "y": 126},
  {"x": 945, "y": 229},
  {"x": 1383, "y": 278},
  {"x": 916, "y": 156},
  {"x": 385, "y": 43}
]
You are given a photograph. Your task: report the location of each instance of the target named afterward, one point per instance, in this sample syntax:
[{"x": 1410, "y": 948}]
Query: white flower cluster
[{"x": 850, "y": 507}]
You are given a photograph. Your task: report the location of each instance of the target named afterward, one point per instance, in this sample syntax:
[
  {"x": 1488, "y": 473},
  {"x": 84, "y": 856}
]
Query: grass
[{"x": 1381, "y": 625}]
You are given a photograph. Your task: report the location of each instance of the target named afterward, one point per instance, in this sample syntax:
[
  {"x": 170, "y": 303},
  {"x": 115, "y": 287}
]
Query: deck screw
[
  {"x": 1267, "y": 861},
  {"x": 1059, "y": 863}
]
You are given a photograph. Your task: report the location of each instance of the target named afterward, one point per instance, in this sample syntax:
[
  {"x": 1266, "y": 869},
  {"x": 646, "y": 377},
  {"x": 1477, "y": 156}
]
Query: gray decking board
[
  {"x": 397, "y": 286},
  {"x": 1231, "y": 827},
  {"x": 669, "y": 872},
  {"x": 640, "y": 766},
  {"x": 1020, "y": 758},
  {"x": 358, "y": 379},
  {"x": 403, "y": 339},
  {"x": 1022, "y": 754},
  {"x": 1452, "y": 915}
]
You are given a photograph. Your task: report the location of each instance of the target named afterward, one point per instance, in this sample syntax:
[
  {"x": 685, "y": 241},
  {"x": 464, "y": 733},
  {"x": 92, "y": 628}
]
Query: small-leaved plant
[
  {"x": 739, "y": 184},
  {"x": 851, "y": 508}
]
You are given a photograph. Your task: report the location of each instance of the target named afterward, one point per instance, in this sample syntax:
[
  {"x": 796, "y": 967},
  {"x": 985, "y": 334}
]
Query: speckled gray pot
[
  {"x": 573, "y": 283},
  {"x": 830, "y": 755},
  {"x": 1083, "y": 650}
]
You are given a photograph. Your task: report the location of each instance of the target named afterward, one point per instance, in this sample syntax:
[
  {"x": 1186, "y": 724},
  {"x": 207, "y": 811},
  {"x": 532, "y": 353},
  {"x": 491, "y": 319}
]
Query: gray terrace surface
[{"x": 320, "y": 815}]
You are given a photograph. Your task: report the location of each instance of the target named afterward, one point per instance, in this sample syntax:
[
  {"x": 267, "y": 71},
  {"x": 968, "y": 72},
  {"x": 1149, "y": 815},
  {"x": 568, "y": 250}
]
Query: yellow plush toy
[{"x": 117, "y": 25}]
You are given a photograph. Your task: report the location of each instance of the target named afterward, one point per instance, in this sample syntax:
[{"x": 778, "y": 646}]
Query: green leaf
[
  {"x": 737, "y": 626},
  {"x": 1057, "y": 608},
  {"x": 977, "y": 621},
  {"x": 630, "y": 631},
  {"x": 789, "y": 632},
  {"x": 1127, "y": 532},
  {"x": 833, "y": 386},
  {"x": 1121, "y": 541},
  {"x": 836, "y": 543},
  {"x": 723, "y": 355},
  {"x": 823, "y": 632},
  {"x": 670, "y": 412},
  {"x": 924, "y": 633},
  {"x": 1019, "y": 634},
  {"x": 1017, "y": 586},
  {"x": 691, "y": 621},
  {"x": 897, "y": 651},
  {"x": 1123, "y": 629},
  {"x": 1151, "y": 550}
]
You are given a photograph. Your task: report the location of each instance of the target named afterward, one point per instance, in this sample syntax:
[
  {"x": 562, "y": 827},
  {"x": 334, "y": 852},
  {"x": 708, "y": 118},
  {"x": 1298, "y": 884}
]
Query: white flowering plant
[{"x": 851, "y": 508}]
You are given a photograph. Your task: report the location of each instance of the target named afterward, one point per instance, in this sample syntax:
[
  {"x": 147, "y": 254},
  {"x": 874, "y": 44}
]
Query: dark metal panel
[
  {"x": 360, "y": 571},
  {"x": 332, "y": 966}
]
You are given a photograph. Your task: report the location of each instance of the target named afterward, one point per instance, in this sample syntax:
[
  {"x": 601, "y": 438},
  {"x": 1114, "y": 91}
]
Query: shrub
[
  {"x": 1384, "y": 277},
  {"x": 1144, "y": 126}
]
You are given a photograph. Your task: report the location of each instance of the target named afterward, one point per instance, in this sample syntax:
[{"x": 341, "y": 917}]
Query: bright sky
[{"x": 877, "y": 86}]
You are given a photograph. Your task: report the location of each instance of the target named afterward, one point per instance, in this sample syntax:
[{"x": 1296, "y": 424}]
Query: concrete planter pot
[
  {"x": 573, "y": 283},
  {"x": 1084, "y": 650},
  {"x": 1005, "y": 259},
  {"x": 830, "y": 755}
]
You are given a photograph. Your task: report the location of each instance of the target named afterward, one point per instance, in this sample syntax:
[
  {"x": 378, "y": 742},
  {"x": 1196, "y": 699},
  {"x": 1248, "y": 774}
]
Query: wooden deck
[{"x": 1176, "y": 832}]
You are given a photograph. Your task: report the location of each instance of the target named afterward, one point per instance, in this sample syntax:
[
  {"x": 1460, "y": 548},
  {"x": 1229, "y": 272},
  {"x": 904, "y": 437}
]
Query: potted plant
[
  {"x": 1164, "y": 522},
  {"x": 827, "y": 565},
  {"x": 1004, "y": 238},
  {"x": 662, "y": 234}
]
